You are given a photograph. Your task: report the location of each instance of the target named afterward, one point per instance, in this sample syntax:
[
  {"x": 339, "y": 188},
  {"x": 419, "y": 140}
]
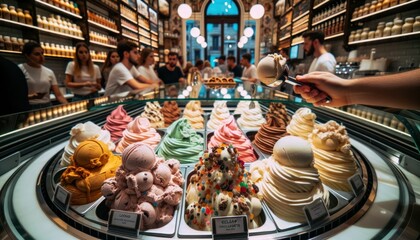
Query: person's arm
[
  {"x": 58, "y": 94},
  {"x": 134, "y": 84},
  {"x": 144, "y": 79},
  {"x": 253, "y": 73},
  {"x": 399, "y": 90},
  {"x": 181, "y": 78},
  {"x": 70, "y": 84}
]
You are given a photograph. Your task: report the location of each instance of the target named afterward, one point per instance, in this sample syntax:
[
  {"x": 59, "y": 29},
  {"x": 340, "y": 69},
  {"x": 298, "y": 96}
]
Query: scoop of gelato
[
  {"x": 139, "y": 130},
  {"x": 230, "y": 133},
  {"x": 251, "y": 118},
  {"x": 116, "y": 122},
  {"x": 181, "y": 142},
  {"x": 290, "y": 181},
  {"x": 82, "y": 132},
  {"x": 333, "y": 157},
  {"x": 270, "y": 132},
  {"x": 152, "y": 111},
  {"x": 194, "y": 114},
  {"x": 218, "y": 115},
  {"x": 170, "y": 112},
  {"x": 241, "y": 107},
  {"x": 302, "y": 123},
  {"x": 91, "y": 164},
  {"x": 270, "y": 68}
]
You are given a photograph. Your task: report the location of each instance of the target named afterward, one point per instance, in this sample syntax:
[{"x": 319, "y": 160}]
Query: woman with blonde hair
[
  {"x": 82, "y": 76},
  {"x": 111, "y": 59}
]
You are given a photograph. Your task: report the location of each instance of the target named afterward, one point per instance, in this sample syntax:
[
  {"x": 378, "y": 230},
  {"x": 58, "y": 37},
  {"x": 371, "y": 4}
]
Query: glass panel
[
  {"x": 214, "y": 42},
  {"x": 194, "y": 50},
  {"x": 230, "y": 39},
  {"x": 249, "y": 47},
  {"x": 222, "y": 7}
]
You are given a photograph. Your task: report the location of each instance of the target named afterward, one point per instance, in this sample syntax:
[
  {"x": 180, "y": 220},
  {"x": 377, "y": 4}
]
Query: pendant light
[
  {"x": 257, "y": 11},
  {"x": 243, "y": 39},
  {"x": 248, "y": 32},
  {"x": 184, "y": 11},
  {"x": 200, "y": 39},
  {"x": 195, "y": 31}
]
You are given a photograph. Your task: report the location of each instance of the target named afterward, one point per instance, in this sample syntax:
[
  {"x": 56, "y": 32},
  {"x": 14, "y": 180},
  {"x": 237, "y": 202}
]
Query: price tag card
[
  {"x": 124, "y": 222},
  {"x": 315, "y": 211},
  {"x": 230, "y": 227},
  {"x": 356, "y": 183},
  {"x": 62, "y": 198}
]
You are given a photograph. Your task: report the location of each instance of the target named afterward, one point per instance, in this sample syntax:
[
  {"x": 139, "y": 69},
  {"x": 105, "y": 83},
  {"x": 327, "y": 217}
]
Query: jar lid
[
  {"x": 409, "y": 19},
  {"x": 381, "y": 23},
  {"x": 366, "y": 29},
  {"x": 19, "y": 10},
  {"x": 352, "y": 32},
  {"x": 389, "y": 24},
  {"x": 367, "y": 4},
  {"x": 418, "y": 18},
  {"x": 359, "y": 31},
  {"x": 3, "y": 5},
  {"x": 374, "y": 2},
  {"x": 398, "y": 21},
  {"x": 12, "y": 7}
]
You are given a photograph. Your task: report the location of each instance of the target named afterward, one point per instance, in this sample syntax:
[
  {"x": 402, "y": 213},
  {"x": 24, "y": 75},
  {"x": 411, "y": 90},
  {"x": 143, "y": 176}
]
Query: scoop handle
[{"x": 293, "y": 81}]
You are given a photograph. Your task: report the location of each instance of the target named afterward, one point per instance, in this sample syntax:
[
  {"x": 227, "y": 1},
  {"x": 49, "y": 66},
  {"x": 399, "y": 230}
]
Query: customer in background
[
  {"x": 111, "y": 59},
  {"x": 233, "y": 67},
  {"x": 222, "y": 64},
  {"x": 400, "y": 90},
  {"x": 250, "y": 71},
  {"x": 14, "y": 88},
  {"x": 171, "y": 73},
  {"x": 122, "y": 77},
  {"x": 41, "y": 80},
  {"x": 82, "y": 76},
  {"x": 187, "y": 68},
  {"x": 206, "y": 72},
  {"x": 146, "y": 64},
  {"x": 313, "y": 45}
]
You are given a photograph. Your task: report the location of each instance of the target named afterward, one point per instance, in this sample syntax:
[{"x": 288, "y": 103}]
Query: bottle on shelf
[
  {"x": 393, "y": 3},
  {"x": 28, "y": 17},
  {"x": 20, "y": 15},
  {"x": 397, "y": 28},
  {"x": 408, "y": 25},
  {"x": 13, "y": 14},
  {"x": 387, "y": 29},
  {"x": 380, "y": 30},
  {"x": 416, "y": 25}
]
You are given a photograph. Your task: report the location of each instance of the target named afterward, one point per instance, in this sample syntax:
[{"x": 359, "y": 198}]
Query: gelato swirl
[
  {"x": 82, "y": 132},
  {"x": 230, "y": 133},
  {"x": 290, "y": 181},
  {"x": 241, "y": 107},
  {"x": 220, "y": 186},
  {"x": 193, "y": 113},
  {"x": 219, "y": 113},
  {"x": 139, "y": 130},
  {"x": 170, "y": 112},
  {"x": 302, "y": 123},
  {"x": 152, "y": 112},
  {"x": 333, "y": 158},
  {"x": 270, "y": 132},
  {"x": 181, "y": 142},
  {"x": 251, "y": 118},
  {"x": 116, "y": 122}
]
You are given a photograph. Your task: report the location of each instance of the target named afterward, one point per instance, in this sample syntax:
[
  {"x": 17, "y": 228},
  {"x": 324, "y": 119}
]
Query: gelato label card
[
  {"x": 62, "y": 197},
  {"x": 356, "y": 183},
  {"x": 230, "y": 227},
  {"x": 315, "y": 211},
  {"x": 124, "y": 222}
]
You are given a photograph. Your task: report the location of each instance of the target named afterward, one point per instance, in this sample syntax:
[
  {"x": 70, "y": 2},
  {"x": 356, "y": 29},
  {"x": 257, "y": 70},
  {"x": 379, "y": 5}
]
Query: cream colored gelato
[
  {"x": 251, "y": 118},
  {"x": 302, "y": 123},
  {"x": 218, "y": 115},
  {"x": 288, "y": 179},
  {"x": 333, "y": 158},
  {"x": 194, "y": 114},
  {"x": 242, "y": 105},
  {"x": 271, "y": 68},
  {"x": 152, "y": 111}
]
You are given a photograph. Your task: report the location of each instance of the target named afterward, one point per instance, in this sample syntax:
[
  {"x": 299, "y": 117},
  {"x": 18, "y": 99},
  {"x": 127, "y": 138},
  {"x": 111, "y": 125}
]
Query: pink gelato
[
  {"x": 147, "y": 184},
  {"x": 229, "y": 133},
  {"x": 139, "y": 130},
  {"x": 116, "y": 122}
]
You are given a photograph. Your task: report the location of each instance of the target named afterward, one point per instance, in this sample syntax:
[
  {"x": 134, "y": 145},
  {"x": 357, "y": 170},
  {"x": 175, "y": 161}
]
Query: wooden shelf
[
  {"x": 384, "y": 11},
  {"x": 296, "y": 43},
  {"x": 405, "y": 35},
  {"x": 57, "y": 56},
  {"x": 127, "y": 28},
  {"x": 285, "y": 26},
  {"x": 145, "y": 28},
  {"x": 10, "y": 51},
  {"x": 319, "y": 5},
  {"x": 128, "y": 19},
  {"x": 284, "y": 38},
  {"x": 98, "y": 60},
  {"x": 14, "y": 23},
  {"x": 103, "y": 27},
  {"x": 60, "y": 34},
  {"x": 57, "y": 9},
  {"x": 300, "y": 31},
  {"x": 328, "y": 18},
  {"x": 334, "y": 36},
  {"x": 301, "y": 16},
  {"x": 103, "y": 44},
  {"x": 103, "y": 5},
  {"x": 128, "y": 5},
  {"x": 130, "y": 37},
  {"x": 300, "y": 24}
]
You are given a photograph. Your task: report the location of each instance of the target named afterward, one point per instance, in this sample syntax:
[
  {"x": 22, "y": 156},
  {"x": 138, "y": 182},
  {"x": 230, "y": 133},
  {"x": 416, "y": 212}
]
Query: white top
[
  {"x": 324, "y": 63},
  {"x": 85, "y": 77},
  {"x": 39, "y": 80},
  {"x": 118, "y": 76},
  {"x": 250, "y": 72},
  {"x": 148, "y": 73}
]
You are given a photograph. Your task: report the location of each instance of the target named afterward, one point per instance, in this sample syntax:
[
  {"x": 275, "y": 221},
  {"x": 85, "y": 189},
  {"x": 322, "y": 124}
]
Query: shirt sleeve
[
  {"x": 123, "y": 75},
  {"x": 134, "y": 72},
  {"x": 52, "y": 78},
  {"x": 70, "y": 68},
  {"x": 97, "y": 72},
  {"x": 253, "y": 72},
  {"x": 25, "y": 72}
]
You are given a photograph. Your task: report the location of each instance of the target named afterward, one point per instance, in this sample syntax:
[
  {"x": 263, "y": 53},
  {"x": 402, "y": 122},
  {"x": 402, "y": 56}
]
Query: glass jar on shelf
[
  {"x": 20, "y": 15},
  {"x": 385, "y": 4},
  {"x": 379, "y": 5},
  {"x": 416, "y": 25},
  {"x": 355, "y": 12},
  {"x": 351, "y": 37},
  {"x": 8, "y": 43},
  {"x": 28, "y": 17},
  {"x": 358, "y": 34},
  {"x": 371, "y": 34},
  {"x": 13, "y": 13},
  {"x": 5, "y": 13},
  {"x": 15, "y": 44},
  {"x": 380, "y": 30},
  {"x": 397, "y": 28},
  {"x": 388, "y": 28},
  {"x": 408, "y": 25},
  {"x": 372, "y": 7},
  {"x": 393, "y": 3},
  {"x": 2, "y": 47},
  {"x": 364, "y": 34},
  {"x": 360, "y": 12},
  {"x": 366, "y": 9}
]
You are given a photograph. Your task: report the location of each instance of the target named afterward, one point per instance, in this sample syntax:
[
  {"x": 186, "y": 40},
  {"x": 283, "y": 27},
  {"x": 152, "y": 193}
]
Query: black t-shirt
[
  {"x": 168, "y": 76},
  {"x": 237, "y": 71}
]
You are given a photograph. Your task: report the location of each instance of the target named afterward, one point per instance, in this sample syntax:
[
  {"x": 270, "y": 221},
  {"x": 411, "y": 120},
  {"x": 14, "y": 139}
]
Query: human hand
[{"x": 325, "y": 84}]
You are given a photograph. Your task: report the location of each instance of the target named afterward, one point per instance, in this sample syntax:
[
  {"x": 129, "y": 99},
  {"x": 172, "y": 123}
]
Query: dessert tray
[
  {"x": 92, "y": 218},
  {"x": 219, "y": 81}
]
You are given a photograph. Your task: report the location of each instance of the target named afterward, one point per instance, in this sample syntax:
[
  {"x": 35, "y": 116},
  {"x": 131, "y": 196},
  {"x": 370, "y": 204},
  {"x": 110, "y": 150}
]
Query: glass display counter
[{"x": 384, "y": 146}]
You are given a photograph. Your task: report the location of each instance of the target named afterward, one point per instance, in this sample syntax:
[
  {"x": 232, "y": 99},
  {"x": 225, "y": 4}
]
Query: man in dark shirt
[
  {"x": 233, "y": 67},
  {"x": 171, "y": 73}
]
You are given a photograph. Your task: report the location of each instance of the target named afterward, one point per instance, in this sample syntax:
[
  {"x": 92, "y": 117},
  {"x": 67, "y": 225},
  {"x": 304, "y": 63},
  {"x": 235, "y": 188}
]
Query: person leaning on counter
[
  {"x": 41, "y": 80},
  {"x": 82, "y": 76},
  {"x": 123, "y": 75}
]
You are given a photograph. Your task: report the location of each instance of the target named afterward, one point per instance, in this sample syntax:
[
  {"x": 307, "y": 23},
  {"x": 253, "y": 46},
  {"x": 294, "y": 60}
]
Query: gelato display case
[{"x": 378, "y": 198}]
